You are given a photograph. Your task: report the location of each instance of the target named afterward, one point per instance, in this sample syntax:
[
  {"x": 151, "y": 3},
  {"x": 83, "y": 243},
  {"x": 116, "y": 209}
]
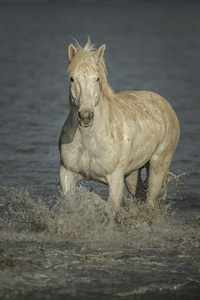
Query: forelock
[{"x": 85, "y": 57}]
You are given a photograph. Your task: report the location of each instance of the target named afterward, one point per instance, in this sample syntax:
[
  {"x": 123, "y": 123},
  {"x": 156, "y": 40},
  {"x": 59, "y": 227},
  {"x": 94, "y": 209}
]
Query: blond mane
[{"x": 86, "y": 57}]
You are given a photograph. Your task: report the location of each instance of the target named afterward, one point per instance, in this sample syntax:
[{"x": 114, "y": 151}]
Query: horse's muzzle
[{"x": 85, "y": 117}]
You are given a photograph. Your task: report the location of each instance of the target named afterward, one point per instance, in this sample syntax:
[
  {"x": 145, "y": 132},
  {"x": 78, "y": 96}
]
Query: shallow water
[{"x": 55, "y": 249}]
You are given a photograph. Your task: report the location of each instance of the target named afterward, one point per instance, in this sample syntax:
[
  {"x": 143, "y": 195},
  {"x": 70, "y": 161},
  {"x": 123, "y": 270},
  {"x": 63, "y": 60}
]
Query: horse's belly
[
  {"x": 139, "y": 155},
  {"x": 135, "y": 165},
  {"x": 92, "y": 175}
]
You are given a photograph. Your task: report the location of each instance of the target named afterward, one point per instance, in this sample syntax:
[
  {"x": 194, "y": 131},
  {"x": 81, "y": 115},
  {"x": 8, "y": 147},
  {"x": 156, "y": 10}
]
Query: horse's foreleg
[
  {"x": 68, "y": 180},
  {"x": 116, "y": 188}
]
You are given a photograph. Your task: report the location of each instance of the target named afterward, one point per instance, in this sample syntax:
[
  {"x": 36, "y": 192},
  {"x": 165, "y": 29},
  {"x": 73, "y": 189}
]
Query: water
[{"x": 55, "y": 249}]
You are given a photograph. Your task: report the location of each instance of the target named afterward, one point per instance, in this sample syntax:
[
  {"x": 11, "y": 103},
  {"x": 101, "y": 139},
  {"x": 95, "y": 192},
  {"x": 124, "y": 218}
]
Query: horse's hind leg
[
  {"x": 135, "y": 185},
  {"x": 157, "y": 173},
  {"x": 131, "y": 182}
]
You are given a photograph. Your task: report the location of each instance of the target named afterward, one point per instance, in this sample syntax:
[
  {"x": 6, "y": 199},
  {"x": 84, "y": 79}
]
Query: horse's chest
[
  {"x": 96, "y": 163},
  {"x": 91, "y": 160}
]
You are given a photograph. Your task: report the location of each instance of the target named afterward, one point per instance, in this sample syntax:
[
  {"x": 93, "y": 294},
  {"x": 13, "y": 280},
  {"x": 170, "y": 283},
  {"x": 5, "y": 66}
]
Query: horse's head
[{"x": 85, "y": 75}]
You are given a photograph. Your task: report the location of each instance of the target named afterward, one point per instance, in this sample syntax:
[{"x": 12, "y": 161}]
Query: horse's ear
[
  {"x": 100, "y": 52},
  {"x": 71, "y": 52}
]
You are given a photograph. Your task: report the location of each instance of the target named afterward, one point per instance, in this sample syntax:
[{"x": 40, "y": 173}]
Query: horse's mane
[{"x": 86, "y": 58}]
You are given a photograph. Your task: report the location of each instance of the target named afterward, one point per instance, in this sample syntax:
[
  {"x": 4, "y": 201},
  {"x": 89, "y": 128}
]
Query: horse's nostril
[
  {"x": 92, "y": 115},
  {"x": 79, "y": 115},
  {"x": 85, "y": 117}
]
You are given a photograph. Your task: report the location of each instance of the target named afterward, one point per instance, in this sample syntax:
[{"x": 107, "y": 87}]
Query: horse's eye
[
  {"x": 98, "y": 79},
  {"x": 72, "y": 79}
]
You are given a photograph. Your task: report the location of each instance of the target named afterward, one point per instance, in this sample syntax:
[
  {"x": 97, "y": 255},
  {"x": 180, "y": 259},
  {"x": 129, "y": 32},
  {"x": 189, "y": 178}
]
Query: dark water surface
[{"x": 55, "y": 249}]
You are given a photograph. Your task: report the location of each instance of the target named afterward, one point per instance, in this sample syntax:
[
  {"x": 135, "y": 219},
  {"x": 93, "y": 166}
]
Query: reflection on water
[{"x": 53, "y": 248}]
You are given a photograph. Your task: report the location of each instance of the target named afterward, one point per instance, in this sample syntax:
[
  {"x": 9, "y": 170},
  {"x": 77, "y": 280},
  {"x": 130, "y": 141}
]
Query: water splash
[
  {"x": 87, "y": 217},
  {"x": 76, "y": 241},
  {"x": 22, "y": 211},
  {"x": 78, "y": 216}
]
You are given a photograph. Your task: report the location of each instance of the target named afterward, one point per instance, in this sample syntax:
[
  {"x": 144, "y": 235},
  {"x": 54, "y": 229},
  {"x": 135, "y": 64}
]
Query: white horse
[{"x": 109, "y": 137}]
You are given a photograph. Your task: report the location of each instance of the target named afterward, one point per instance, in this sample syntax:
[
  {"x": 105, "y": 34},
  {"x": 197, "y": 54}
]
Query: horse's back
[
  {"x": 146, "y": 105},
  {"x": 145, "y": 101}
]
